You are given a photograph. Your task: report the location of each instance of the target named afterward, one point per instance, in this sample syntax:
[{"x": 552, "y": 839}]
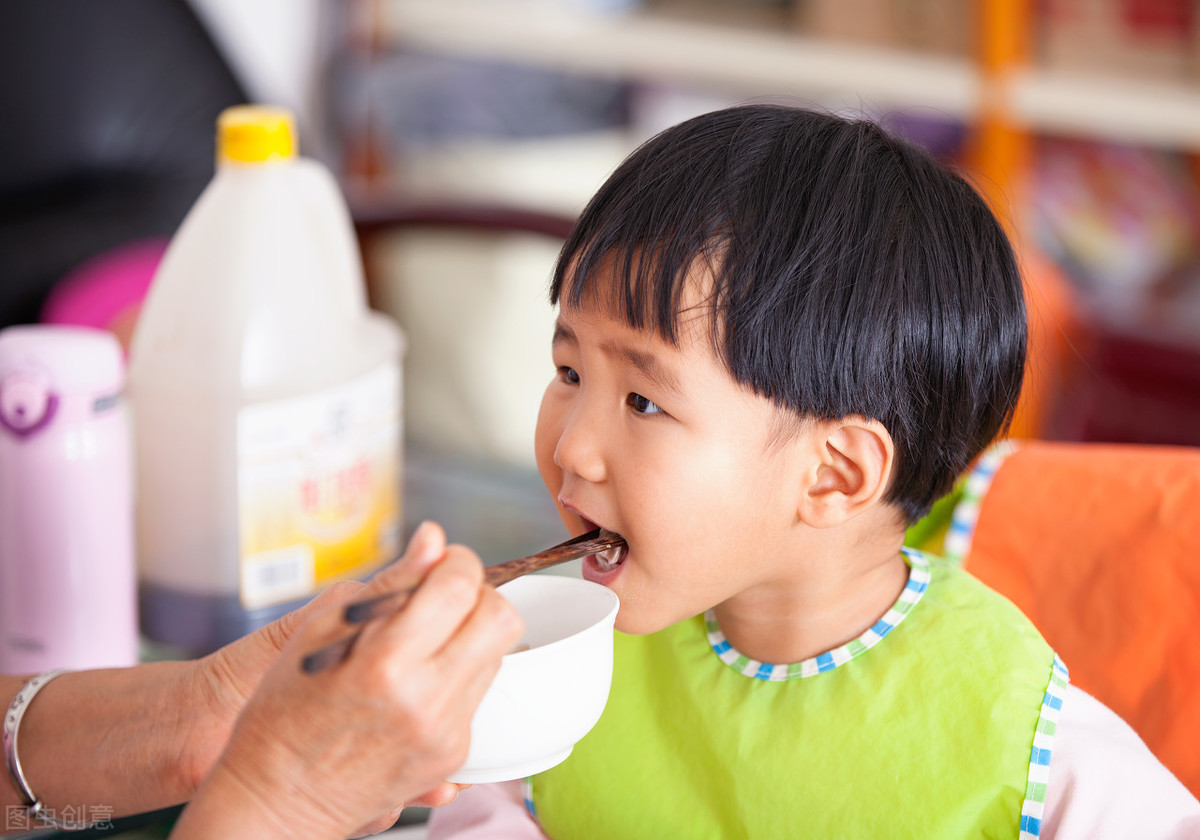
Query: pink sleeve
[
  {"x": 494, "y": 812},
  {"x": 1106, "y": 784}
]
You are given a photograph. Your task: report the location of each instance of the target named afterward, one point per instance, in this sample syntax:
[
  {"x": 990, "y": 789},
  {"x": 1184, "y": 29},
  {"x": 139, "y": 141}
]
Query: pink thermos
[{"x": 68, "y": 578}]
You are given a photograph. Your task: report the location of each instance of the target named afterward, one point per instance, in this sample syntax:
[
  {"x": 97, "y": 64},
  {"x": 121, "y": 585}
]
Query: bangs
[
  {"x": 646, "y": 290},
  {"x": 660, "y": 223}
]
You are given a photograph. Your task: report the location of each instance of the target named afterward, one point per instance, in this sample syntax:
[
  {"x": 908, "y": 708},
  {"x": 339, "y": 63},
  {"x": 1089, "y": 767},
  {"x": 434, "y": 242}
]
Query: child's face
[{"x": 658, "y": 443}]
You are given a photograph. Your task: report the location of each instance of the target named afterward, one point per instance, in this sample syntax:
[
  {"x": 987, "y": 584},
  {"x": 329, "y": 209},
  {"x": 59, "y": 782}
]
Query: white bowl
[{"x": 544, "y": 699}]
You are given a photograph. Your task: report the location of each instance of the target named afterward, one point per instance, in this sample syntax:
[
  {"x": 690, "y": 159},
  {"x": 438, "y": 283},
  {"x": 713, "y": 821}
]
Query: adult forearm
[{"x": 111, "y": 742}]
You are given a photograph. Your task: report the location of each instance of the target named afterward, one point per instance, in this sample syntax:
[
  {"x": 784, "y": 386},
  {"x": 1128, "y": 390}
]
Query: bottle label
[{"x": 319, "y": 487}]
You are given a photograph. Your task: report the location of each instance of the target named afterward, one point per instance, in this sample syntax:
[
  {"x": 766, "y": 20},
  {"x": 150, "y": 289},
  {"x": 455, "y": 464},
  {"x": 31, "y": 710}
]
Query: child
[{"x": 782, "y": 336}]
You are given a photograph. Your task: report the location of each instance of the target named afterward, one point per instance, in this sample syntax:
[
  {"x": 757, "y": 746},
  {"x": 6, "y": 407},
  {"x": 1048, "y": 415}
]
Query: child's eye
[
  {"x": 568, "y": 375},
  {"x": 641, "y": 405}
]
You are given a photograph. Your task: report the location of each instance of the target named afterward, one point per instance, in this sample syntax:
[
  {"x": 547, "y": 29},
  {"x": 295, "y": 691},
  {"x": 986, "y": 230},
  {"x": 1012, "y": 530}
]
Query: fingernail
[
  {"x": 420, "y": 541},
  {"x": 421, "y": 530}
]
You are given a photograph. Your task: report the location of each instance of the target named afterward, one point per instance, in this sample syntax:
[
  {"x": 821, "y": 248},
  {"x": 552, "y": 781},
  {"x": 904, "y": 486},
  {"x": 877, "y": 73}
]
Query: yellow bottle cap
[{"x": 255, "y": 133}]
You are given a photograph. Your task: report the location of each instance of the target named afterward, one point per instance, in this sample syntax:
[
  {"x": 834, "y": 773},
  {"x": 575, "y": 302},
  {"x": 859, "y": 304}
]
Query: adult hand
[
  {"x": 322, "y": 754},
  {"x": 226, "y": 678}
]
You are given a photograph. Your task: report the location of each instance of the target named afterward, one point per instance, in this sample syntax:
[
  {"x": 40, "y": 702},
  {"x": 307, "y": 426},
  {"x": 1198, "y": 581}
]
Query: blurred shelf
[
  {"x": 645, "y": 44},
  {"x": 761, "y": 61},
  {"x": 1157, "y": 114}
]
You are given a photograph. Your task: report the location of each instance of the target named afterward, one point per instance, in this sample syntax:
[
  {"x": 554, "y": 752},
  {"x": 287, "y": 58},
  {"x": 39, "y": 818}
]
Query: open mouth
[{"x": 610, "y": 558}]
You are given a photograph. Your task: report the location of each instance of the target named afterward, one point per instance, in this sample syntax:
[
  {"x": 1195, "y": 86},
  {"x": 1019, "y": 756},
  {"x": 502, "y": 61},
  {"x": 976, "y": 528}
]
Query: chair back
[{"x": 1100, "y": 546}]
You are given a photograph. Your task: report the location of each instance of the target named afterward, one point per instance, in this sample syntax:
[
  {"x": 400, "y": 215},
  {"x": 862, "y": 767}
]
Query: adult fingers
[
  {"x": 425, "y": 548},
  {"x": 326, "y": 621},
  {"x": 492, "y": 630},
  {"x": 436, "y": 609},
  {"x": 277, "y": 633},
  {"x": 381, "y": 824},
  {"x": 227, "y": 677},
  {"x": 438, "y": 797},
  {"x": 442, "y": 795},
  {"x": 470, "y": 659}
]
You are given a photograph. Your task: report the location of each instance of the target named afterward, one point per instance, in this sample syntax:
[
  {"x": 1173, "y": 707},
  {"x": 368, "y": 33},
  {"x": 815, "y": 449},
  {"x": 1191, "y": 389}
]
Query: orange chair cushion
[{"x": 1100, "y": 546}]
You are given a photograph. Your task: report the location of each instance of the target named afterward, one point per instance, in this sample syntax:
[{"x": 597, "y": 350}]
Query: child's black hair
[{"x": 853, "y": 275}]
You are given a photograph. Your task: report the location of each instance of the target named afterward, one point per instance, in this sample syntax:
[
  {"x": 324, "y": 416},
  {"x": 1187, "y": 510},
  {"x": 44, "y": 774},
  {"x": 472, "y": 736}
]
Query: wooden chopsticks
[{"x": 360, "y": 612}]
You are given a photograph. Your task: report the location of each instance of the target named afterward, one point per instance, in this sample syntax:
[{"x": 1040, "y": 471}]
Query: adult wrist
[
  {"x": 34, "y": 807},
  {"x": 201, "y": 723},
  {"x": 113, "y": 740}
]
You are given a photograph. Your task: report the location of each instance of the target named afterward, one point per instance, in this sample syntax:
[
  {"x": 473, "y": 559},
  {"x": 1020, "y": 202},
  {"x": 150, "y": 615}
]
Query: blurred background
[{"x": 468, "y": 133}]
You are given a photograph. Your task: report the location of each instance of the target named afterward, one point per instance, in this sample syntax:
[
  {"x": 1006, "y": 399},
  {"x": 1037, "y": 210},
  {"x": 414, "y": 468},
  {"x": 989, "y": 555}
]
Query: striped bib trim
[
  {"x": 918, "y": 582},
  {"x": 1034, "y": 807}
]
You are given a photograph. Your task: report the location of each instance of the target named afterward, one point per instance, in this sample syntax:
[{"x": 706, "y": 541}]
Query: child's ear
[{"x": 855, "y": 457}]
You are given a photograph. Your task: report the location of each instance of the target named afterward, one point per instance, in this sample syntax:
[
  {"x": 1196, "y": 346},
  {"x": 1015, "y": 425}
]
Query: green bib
[{"x": 923, "y": 727}]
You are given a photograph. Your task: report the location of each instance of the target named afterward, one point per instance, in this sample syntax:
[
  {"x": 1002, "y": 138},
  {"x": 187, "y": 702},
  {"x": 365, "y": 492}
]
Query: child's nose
[{"x": 580, "y": 448}]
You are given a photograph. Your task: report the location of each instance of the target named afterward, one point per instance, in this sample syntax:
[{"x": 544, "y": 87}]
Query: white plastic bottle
[{"x": 266, "y": 399}]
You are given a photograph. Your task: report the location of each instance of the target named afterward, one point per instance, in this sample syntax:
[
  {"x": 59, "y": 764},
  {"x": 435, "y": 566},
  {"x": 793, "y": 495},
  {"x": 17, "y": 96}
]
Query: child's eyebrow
[
  {"x": 650, "y": 367},
  {"x": 562, "y": 333},
  {"x": 647, "y": 364}
]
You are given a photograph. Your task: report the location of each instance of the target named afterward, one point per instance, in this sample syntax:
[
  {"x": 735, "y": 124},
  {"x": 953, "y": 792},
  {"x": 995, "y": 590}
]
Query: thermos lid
[{"x": 68, "y": 360}]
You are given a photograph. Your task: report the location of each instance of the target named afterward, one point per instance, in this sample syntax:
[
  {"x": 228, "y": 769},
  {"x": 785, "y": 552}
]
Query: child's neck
[{"x": 841, "y": 587}]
